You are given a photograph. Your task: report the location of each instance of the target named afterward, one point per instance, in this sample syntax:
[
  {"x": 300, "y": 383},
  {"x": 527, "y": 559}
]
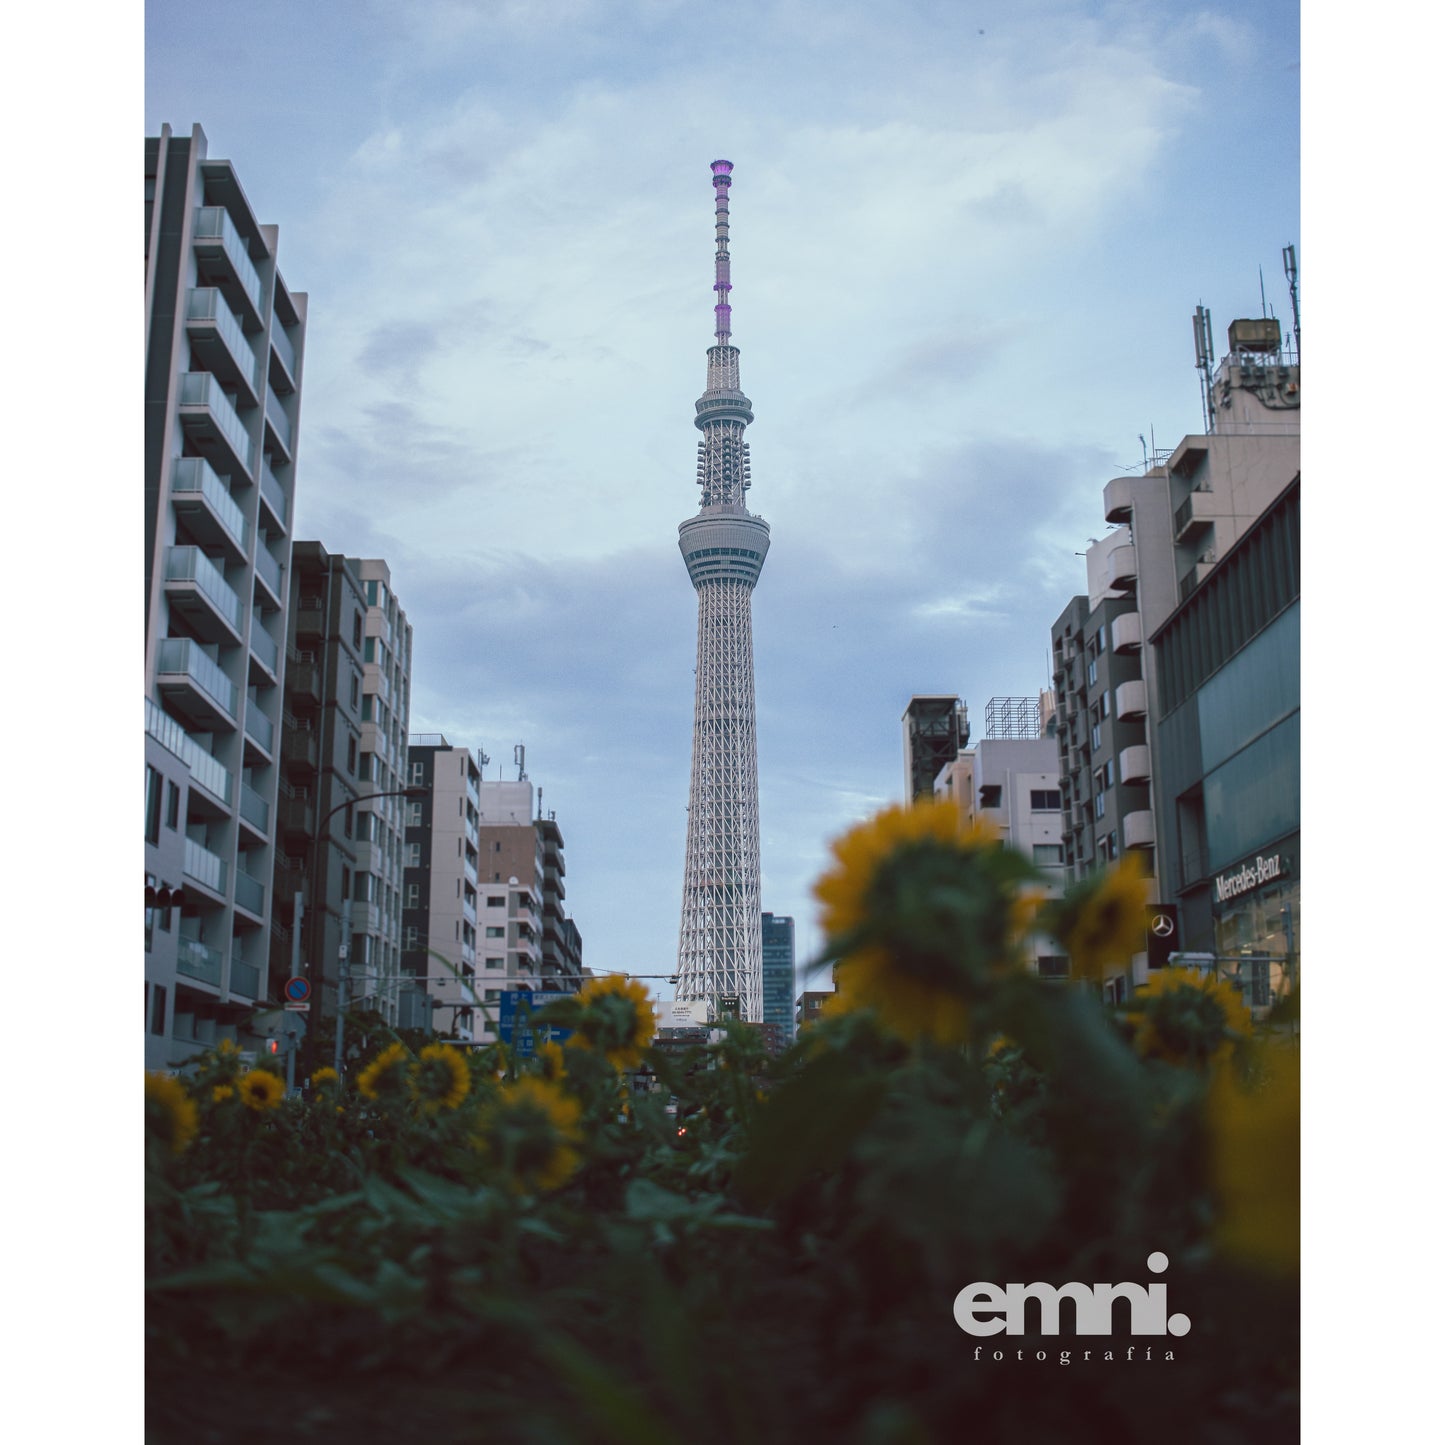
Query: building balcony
[
  {"x": 255, "y": 812},
  {"x": 273, "y": 497},
  {"x": 211, "y": 515},
  {"x": 297, "y": 817},
  {"x": 1190, "y": 581},
  {"x": 1122, "y": 570},
  {"x": 196, "y": 960},
  {"x": 1127, "y": 633},
  {"x": 300, "y": 749},
  {"x": 268, "y": 574},
  {"x": 205, "y": 869},
  {"x": 219, "y": 343},
  {"x": 260, "y": 736},
  {"x": 1139, "y": 829},
  {"x": 197, "y": 590},
  {"x": 246, "y": 980},
  {"x": 1134, "y": 764},
  {"x": 1119, "y": 499},
  {"x": 303, "y": 676},
  {"x": 1131, "y": 701},
  {"x": 278, "y": 426},
  {"x": 215, "y": 427},
  {"x": 227, "y": 262},
  {"x": 283, "y": 359},
  {"x": 265, "y": 656},
  {"x": 209, "y": 780},
  {"x": 194, "y": 685},
  {"x": 1196, "y": 514},
  {"x": 251, "y": 895}
]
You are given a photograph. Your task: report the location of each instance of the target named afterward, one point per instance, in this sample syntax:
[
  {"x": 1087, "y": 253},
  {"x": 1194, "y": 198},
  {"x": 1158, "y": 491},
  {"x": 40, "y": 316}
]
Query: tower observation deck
[{"x": 720, "y": 947}]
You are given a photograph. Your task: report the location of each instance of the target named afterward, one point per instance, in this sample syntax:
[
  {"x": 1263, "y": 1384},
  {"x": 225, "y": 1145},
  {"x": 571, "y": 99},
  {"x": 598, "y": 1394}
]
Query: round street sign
[{"x": 297, "y": 989}]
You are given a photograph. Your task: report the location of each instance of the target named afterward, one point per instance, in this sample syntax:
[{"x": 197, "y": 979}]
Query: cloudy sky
[{"x": 968, "y": 239}]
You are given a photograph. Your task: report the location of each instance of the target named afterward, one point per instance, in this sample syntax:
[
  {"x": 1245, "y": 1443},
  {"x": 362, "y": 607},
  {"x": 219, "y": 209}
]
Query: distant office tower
[
  {"x": 223, "y": 358},
  {"x": 720, "y": 941},
  {"x": 778, "y": 969},
  {"x": 935, "y": 732}
]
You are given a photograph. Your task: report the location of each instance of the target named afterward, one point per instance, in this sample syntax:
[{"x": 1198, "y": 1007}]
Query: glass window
[
  {"x": 153, "y": 805},
  {"x": 1049, "y": 854},
  {"x": 158, "y": 1010},
  {"x": 173, "y": 806},
  {"x": 1046, "y": 800}
]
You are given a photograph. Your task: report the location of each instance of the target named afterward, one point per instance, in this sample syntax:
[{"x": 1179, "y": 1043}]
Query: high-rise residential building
[
  {"x": 724, "y": 545},
  {"x": 935, "y": 732},
  {"x": 225, "y": 341},
  {"x": 320, "y": 765},
  {"x": 779, "y": 969},
  {"x": 561, "y": 942},
  {"x": 1179, "y": 671},
  {"x": 386, "y": 654},
  {"x": 440, "y": 902}
]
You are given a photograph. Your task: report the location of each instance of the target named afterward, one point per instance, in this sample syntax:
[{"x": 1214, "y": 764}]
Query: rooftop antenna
[
  {"x": 1291, "y": 271},
  {"x": 1145, "y": 450},
  {"x": 1204, "y": 360},
  {"x": 519, "y": 756},
  {"x": 539, "y": 802},
  {"x": 1263, "y": 304},
  {"x": 482, "y": 761}
]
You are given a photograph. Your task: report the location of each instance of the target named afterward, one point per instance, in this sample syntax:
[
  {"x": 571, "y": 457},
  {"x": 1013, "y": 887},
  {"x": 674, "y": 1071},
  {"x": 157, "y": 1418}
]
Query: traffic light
[{"x": 273, "y": 1046}]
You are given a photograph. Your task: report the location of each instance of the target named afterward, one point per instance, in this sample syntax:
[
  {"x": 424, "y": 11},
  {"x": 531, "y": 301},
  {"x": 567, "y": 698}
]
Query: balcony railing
[
  {"x": 255, "y": 810},
  {"x": 264, "y": 646},
  {"x": 207, "y": 312},
  {"x": 181, "y": 656},
  {"x": 214, "y": 225},
  {"x": 205, "y": 770},
  {"x": 260, "y": 728},
  {"x": 204, "y": 866},
  {"x": 274, "y": 493},
  {"x": 199, "y": 961},
  {"x": 268, "y": 569},
  {"x": 193, "y": 476},
  {"x": 200, "y": 388},
  {"x": 250, "y": 893},
  {"x": 276, "y": 415},
  {"x": 245, "y": 978},
  {"x": 284, "y": 349},
  {"x": 190, "y": 564}
]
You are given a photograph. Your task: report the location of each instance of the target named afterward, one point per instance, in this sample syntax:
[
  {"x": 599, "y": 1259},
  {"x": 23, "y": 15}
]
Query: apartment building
[{"x": 225, "y": 343}]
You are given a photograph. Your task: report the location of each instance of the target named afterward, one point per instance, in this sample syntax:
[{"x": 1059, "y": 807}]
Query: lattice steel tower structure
[{"x": 720, "y": 947}]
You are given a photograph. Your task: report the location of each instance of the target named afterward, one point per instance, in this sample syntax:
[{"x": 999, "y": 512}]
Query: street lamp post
[{"x": 319, "y": 908}]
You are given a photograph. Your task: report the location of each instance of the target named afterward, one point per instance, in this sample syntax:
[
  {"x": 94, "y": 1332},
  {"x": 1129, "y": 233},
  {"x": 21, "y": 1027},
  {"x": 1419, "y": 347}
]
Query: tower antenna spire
[{"x": 722, "y": 172}]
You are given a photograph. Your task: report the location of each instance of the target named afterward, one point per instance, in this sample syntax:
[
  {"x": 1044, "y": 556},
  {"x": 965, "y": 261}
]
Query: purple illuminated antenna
[{"x": 721, "y": 180}]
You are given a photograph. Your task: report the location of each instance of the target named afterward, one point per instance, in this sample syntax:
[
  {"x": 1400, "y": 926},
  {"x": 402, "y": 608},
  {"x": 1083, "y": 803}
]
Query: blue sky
[{"x": 968, "y": 240}]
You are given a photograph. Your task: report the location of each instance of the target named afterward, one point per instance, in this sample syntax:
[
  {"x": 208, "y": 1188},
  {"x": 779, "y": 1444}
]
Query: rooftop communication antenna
[
  {"x": 1291, "y": 271},
  {"x": 1204, "y": 360},
  {"x": 519, "y": 756}
]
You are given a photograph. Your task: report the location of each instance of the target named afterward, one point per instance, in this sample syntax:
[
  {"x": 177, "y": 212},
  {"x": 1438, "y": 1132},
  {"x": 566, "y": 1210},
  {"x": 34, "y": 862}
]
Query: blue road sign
[
  {"x": 297, "y": 990},
  {"x": 515, "y": 1026}
]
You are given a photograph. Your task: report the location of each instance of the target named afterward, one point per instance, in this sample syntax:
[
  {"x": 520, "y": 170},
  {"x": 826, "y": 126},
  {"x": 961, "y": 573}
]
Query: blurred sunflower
[
  {"x": 1187, "y": 1018},
  {"x": 1100, "y": 920},
  {"x": 261, "y": 1090},
  {"x": 1255, "y": 1162},
  {"x": 440, "y": 1079},
  {"x": 325, "y": 1079},
  {"x": 616, "y": 1019},
  {"x": 384, "y": 1075},
  {"x": 552, "y": 1062},
  {"x": 221, "y": 1092},
  {"x": 171, "y": 1114},
  {"x": 926, "y": 916},
  {"x": 530, "y": 1130}
]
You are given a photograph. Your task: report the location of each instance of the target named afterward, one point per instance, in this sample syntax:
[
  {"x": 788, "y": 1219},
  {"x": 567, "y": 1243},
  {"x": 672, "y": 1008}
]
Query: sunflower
[
  {"x": 530, "y": 1129},
  {"x": 221, "y": 1092},
  {"x": 1255, "y": 1162},
  {"x": 1186, "y": 1018},
  {"x": 383, "y": 1075},
  {"x": 439, "y": 1079},
  {"x": 261, "y": 1090},
  {"x": 925, "y": 915},
  {"x": 1100, "y": 921},
  {"x": 170, "y": 1111},
  {"x": 325, "y": 1079},
  {"x": 552, "y": 1062},
  {"x": 617, "y": 1019}
]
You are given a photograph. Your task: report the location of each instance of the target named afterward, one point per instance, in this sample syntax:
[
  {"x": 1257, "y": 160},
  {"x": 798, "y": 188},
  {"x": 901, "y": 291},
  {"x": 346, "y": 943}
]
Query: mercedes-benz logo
[{"x": 1162, "y": 926}]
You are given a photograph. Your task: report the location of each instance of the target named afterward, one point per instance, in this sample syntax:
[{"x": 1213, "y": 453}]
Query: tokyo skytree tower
[{"x": 720, "y": 946}]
